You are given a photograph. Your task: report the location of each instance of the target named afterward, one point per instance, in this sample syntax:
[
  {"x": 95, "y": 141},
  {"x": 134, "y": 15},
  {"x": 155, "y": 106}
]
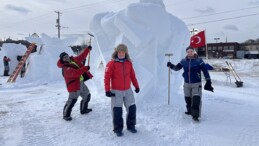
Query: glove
[
  {"x": 109, "y": 94},
  {"x": 85, "y": 69},
  {"x": 169, "y": 64},
  {"x": 208, "y": 86},
  {"x": 172, "y": 66},
  {"x": 89, "y": 47},
  {"x": 137, "y": 90},
  {"x": 88, "y": 67}
]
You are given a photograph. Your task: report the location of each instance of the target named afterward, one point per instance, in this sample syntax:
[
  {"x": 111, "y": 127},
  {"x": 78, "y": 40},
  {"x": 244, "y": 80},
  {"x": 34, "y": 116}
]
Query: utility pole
[
  {"x": 193, "y": 30},
  {"x": 216, "y": 39},
  {"x": 58, "y": 22}
]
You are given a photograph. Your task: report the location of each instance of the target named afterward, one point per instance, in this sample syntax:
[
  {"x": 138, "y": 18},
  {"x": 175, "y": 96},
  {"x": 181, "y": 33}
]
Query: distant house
[
  {"x": 220, "y": 50},
  {"x": 251, "y": 49},
  {"x": 231, "y": 50},
  {"x": 35, "y": 35}
]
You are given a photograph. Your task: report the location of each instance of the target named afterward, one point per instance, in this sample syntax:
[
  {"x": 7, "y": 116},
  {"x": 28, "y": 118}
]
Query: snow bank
[
  {"x": 11, "y": 51},
  {"x": 41, "y": 65}
]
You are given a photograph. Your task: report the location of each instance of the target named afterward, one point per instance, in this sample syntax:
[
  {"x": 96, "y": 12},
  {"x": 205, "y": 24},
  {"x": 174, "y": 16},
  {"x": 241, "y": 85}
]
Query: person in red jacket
[
  {"x": 6, "y": 65},
  {"x": 75, "y": 73},
  {"x": 119, "y": 74}
]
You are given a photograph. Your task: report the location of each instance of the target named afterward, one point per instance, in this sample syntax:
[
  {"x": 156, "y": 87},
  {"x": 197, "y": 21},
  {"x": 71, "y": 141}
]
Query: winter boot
[
  {"x": 188, "y": 101},
  {"x": 131, "y": 119},
  {"x": 119, "y": 134},
  {"x": 6, "y": 73},
  {"x": 132, "y": 130},
  {"x": 196, "y": 102},
  {"x": 68, "y": 109},
  {"x": 195, "y": 118},
  {"x": 117, "y": 120},
  {"x": 84, "y": 105},
  {"x": 67, "y": 118}
]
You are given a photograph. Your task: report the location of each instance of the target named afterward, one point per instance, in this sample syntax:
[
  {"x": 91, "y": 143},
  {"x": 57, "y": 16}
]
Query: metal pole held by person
[
  {"x": 169, "y": 55},
  {"x": 90, "y": 41}
]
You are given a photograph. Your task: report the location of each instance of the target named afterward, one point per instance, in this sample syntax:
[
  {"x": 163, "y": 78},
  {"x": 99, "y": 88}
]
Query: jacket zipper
[
  {"x": 124, "y": 74},
  {"x": 189, "y": 71}
]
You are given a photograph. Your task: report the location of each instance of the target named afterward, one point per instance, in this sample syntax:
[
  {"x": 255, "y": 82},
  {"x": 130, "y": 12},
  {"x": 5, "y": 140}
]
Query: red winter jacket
[
  {"x": 119, "y": 75},
  {"x": 72, "y": 73},
  {"x": 6, "y": 60}
]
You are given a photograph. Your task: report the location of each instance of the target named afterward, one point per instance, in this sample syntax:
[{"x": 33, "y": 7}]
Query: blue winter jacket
[{"x": 192, "y": 69}]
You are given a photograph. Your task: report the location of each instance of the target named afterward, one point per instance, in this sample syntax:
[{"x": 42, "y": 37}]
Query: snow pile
[
  {"x": 41, "y": 65},
  {"x": 149, "y": 32},
  {"x": 11, "y": 51}
]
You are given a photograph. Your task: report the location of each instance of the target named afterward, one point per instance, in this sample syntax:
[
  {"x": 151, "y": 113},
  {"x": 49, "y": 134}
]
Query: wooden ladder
[{"x": 19, "y": 67}]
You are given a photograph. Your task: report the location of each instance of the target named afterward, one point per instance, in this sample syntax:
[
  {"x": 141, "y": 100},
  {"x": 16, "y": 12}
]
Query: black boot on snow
[
  {"x": 132, "y": 130},
  {"x": 86, "y": 111},
  {"x": 67, "y": 118},
  {"x": 119, "y": 134},
  {"x": 195, "y": 118},
  {"x": 187, "y": 113}
]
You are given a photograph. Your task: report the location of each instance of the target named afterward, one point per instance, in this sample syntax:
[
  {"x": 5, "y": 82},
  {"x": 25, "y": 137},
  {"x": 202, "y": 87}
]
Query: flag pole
[{"x": 206, "y": 47}]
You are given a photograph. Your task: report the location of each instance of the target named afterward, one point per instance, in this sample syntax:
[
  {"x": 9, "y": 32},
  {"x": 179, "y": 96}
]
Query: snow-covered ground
[
  {"x": 31, "y": 114},
  {"x": 31, "y": 108}
]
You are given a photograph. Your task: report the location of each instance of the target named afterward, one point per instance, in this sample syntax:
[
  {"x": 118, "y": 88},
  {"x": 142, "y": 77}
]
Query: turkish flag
[{"x": 198, "y": 40}]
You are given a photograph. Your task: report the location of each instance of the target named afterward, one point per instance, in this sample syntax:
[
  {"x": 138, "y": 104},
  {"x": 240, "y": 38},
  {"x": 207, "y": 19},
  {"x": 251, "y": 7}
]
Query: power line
[
  {"x": 92, "y": 5},
  {"x": 223, "y": 19},
  {"x": 63, "y": 10},
  {"x": 230, "y": 11},
  {"x": 29, "y": 19},
  {"x": 97, "y": 4}
]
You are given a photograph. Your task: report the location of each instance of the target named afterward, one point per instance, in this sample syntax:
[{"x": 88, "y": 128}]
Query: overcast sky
[{"x": 236, "y": 20}]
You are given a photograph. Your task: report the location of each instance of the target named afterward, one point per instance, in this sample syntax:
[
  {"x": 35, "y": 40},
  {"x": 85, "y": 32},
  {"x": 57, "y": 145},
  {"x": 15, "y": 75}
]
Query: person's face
[
  {"x": 66, "y": 58},
  {"x": 121, "y": 54},
  {"x": 190, "y": 52}
]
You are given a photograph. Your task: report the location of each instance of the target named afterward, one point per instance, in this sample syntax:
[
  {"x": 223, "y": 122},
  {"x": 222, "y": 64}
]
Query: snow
[
  {"x": 139, "y": 26},
  {"x": 31, "y": 108},
  {"x": 32, "y": 115}
]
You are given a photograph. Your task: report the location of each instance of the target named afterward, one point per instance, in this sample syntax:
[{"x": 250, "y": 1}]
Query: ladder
[{"x": 19, "y": 67}]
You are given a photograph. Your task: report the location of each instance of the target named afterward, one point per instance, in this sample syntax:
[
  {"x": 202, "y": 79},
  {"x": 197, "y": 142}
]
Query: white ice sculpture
[{"x": 149, "y": 31}]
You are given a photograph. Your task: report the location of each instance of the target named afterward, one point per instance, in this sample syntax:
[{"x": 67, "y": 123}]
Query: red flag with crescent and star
[{"x": 198, "y": 40}]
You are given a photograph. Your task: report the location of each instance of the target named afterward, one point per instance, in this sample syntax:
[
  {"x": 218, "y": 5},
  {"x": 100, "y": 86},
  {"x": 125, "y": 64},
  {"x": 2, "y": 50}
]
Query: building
[
  {"x": 220, "y": 50},
  {"x": 35, "y": 35},
  {"x": 251, "y": 49}
]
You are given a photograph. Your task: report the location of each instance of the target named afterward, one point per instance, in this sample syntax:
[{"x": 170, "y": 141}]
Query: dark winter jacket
[
  {"x": 192, "y": 69},
  {"x": 72, "y": 72},
  {"x": 119, "y": 74}
]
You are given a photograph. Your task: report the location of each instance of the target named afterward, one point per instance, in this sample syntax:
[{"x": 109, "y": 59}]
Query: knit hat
[
  {"x": 62, "y": 55},
  {"x": 121, "y": 47},
  {"x": 189, "y": 48}
]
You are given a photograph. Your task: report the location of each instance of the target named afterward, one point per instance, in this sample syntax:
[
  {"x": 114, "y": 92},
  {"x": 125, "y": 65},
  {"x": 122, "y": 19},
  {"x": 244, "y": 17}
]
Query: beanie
[
  {"x": 62, "y": 55},
  {"x": 189, "y": 48}
]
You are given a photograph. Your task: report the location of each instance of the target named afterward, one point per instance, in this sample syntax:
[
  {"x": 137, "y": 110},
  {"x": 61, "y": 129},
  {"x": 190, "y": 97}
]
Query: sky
[
  {"x": 232, "y": 20},
  {"x": 31, "y": 108}
]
